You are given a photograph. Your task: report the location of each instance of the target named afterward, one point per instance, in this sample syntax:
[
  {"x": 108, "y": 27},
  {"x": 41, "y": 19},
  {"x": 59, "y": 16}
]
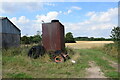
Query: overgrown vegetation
[
  {"x": 19, "y": 65},
  {"x": 98, "y": 56},
  {"x": 114, "y": 49},
  {"x": 111, "y": 49},
  {"x": 31, "y": 39},
  {"x": 16, "y": 64}
]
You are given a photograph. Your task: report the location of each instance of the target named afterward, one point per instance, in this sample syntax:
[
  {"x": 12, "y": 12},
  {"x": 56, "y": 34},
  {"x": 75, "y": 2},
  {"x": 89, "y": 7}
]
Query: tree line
[{"x": 115, "y": 34}]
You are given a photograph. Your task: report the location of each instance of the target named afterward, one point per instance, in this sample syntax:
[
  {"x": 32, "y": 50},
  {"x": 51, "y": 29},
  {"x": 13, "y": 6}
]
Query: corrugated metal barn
[{"x": 9, "y": 34}]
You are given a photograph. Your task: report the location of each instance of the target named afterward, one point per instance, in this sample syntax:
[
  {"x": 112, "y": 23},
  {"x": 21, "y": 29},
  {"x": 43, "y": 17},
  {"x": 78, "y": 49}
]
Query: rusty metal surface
[{"x": 53, "y": 36}]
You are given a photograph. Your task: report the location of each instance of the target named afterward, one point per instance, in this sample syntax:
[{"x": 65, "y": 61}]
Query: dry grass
[{"x": 87, "y": 44}]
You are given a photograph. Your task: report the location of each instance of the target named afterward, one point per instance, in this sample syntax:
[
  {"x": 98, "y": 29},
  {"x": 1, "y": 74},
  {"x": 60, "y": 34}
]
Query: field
[
  {"x": 87, "y": 44},
  {"x": 90, "y": 62}
]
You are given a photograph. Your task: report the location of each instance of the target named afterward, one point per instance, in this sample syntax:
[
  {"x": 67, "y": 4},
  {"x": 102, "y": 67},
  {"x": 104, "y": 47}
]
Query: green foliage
[
  {"x": 25, "y": 40},
  {"x": 69, "y": 38},
  {"x": 97, "y": 56},
  {"x": 36, "y": 39},
  {"x": 111, "y": 49},
  {"x": 31, "y": 39},
  {"x": 21, "y": 66},
  {"x": 91, "y": 39},
  {"x": 19, "y": 75},
  {"x": 115, "y": 34}
]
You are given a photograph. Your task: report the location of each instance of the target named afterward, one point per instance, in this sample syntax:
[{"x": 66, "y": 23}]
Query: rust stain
[{"x": 53, "y": 36}]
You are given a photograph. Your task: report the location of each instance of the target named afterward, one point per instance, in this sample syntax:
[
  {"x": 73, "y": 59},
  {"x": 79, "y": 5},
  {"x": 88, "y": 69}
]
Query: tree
[
  {"x": 25, "y": 40},
  {"x": 69, "y": 38},
  {"x": 36, "y": 38},
  {"x": 115, "y": 34}
]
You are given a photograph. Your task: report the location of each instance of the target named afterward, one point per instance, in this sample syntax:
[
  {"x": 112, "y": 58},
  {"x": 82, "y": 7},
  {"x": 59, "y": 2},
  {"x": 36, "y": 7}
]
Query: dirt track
[{"x": 94, "y": 70}]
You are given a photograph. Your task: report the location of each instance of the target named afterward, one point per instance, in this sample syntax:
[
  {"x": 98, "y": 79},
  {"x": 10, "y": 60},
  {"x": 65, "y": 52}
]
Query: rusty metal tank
[{"x": 53, "y": 36}]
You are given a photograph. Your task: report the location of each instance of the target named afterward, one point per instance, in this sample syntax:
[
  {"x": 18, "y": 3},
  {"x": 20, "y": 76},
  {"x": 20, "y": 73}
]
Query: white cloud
[
  {"x": 76, "y": 7},
  {"x": 21, "y": 20},
  {"x": 14, "y": 7},
  {"x": 25, "y": 25},
  {"x": 47, "y": 18},
  {"x": 30, "y": 27},
  {"x": 68, "y": 12},
  {"x": 98, "y": 24},
  {"x": 100, "y": 27},
  {"x": 71, "y": 9},
  {"x": 49, "y": 4},
  {"x": 90, "y": 13},
  {"x": 104, "y": 16}
]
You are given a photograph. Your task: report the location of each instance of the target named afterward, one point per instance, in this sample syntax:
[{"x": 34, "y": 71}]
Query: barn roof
[{"x": 10, "y": 22}]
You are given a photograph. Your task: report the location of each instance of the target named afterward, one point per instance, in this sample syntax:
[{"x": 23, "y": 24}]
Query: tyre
[
  {"x": 57, "y": 56},
  {"x": 59, "y": 59},
  {"x": 36, "y": 51}
]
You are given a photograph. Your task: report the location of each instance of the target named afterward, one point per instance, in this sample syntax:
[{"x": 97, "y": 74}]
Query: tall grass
[
  {"x": 16, "y": 64},
  {"x": 111, "y": 49}
]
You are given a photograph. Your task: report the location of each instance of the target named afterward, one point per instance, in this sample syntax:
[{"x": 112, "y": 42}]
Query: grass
[
  {"x": 20, "y": 65},
  {"x": 19, "y": 75},
  {"x": 97, "y": 56},
  {"x": 16, "y": 64}
]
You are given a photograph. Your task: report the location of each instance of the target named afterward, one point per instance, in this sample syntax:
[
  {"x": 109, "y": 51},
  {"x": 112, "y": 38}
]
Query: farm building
[{"x": 9, "y": 34}]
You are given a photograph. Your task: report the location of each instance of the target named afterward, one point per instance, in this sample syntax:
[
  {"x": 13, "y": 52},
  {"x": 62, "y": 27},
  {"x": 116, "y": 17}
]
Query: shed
[
  {"x": 53, "y": 36},
  {"x": 9, "y": 34}
]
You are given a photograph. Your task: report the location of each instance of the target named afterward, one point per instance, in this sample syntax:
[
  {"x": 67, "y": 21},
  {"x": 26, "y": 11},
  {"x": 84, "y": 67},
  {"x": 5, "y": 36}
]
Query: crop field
[
  {"x": 90, "y": 62},
  {"x": 87, "y": 44}
]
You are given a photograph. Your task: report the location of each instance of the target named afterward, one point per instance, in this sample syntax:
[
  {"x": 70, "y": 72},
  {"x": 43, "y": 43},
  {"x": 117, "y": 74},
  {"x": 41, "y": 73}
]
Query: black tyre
[{"x": 36, "y": 51}]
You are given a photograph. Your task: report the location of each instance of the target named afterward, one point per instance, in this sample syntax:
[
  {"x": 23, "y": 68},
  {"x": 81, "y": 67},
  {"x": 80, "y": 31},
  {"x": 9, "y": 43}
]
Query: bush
[{"x": 111, "y": 49}]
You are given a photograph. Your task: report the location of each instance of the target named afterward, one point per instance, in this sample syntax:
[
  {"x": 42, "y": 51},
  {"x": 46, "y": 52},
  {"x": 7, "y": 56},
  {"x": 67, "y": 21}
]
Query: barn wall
[
  {"x": 10, "y": 34},
  {"x": 10, "y": 40},
  {"x": 8, "y": 27}
]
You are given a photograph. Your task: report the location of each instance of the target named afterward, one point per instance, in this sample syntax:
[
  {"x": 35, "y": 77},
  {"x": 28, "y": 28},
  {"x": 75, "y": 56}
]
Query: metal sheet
[
  {"x": 10, "y": 40},
  {"x": 53, "y": 36},
  {"x": 9, "y": 27}
]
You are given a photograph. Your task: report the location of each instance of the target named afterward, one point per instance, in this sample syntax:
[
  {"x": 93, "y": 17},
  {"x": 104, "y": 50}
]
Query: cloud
[
  {"x": 30, "y": 27},
  {"x": 90, "y": 13},
  {"x": 14, "y": 7},
  {"x": 47, "y": 18},
  {"x": 21, "y": 20},
  {"x": 98, "y": 24},
  {"x": 104, "y": 16},
  {"x": 25, "y": 25},
  {"x": 71, "y": 9},
  {"x": 76, "y": 8},
  {"x": 68, "y": 12},
  {"x": 49, "y": 4}
]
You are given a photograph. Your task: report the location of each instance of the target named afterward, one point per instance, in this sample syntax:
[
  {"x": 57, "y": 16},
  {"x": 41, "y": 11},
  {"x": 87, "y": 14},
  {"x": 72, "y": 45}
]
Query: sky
[{"x": 83, "y": 19}]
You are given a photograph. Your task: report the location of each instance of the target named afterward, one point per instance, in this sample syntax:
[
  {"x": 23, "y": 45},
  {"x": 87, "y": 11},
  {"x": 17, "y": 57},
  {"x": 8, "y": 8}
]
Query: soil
[
  {"x": 94, "y": 71},
  {"x": 113, "y": 64}
]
